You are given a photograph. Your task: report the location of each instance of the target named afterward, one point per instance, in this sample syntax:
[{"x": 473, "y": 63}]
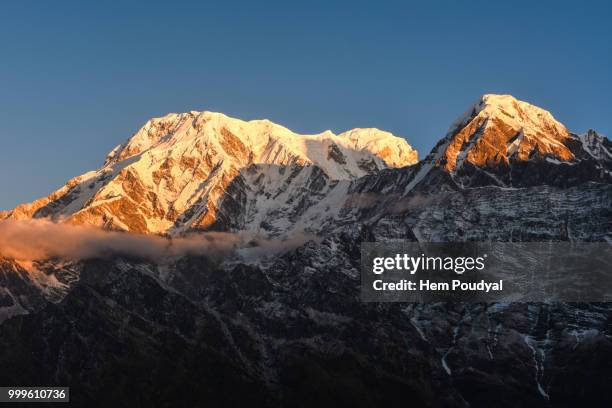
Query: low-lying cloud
[{"x": 42, "y": 239}]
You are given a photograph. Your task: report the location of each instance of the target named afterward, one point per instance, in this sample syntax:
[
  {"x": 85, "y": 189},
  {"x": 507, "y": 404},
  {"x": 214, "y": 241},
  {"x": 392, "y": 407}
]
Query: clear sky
[{"x": 78, "y": 78}]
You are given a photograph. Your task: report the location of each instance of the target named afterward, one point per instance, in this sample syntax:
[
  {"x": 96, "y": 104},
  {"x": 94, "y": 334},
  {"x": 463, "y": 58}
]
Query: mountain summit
[
  {"x": 500, "y": 128},
  {"x": 173, "y": 173},
  {"x": 503, "y": 141}
]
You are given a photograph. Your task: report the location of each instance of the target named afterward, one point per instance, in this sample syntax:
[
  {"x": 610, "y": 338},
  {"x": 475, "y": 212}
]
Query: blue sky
[{"x": 78, "y": 78}]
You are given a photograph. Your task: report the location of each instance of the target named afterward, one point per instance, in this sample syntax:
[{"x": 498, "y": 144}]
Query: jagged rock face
[
  {"x": 27, "y": 287},
  {"x": 172, "y": 174},
  {"x": 506, "y": 142},
  {"x": 597, "y": 146},
  {"x": 500, "y": 128},
  {"x": 211, "y": 337},
  {"x": 292, "y": 330}
]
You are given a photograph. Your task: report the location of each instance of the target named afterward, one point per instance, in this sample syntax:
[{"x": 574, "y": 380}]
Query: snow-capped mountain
[
  {"x": 206, "y": 171},
  {"x": 544, "y": 162},
  {"x": 500, "y": 128},
  {"x": 288, "y": 328},
  {"x": 171, "y": 175},
  {"x": 506, "y": 142}
]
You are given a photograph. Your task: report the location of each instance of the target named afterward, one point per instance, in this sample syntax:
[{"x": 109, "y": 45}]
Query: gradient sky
[{"x": 78, "y": 78}]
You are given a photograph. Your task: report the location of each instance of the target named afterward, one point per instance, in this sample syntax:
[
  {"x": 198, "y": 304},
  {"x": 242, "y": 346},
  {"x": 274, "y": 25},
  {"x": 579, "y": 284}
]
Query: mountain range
[
  {"x": 279, "y": 322},
  {"x": 174, "y": 174}
]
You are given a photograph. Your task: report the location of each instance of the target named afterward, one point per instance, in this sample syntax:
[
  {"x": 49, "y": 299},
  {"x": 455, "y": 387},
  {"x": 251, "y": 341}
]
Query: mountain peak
[
  {"x": 502, "y": 141},
  {"x": 498, "y": 129},
  {"x": 511, "y": 111},
  {"x": 203, "y": 128},
  {"x": 176, "y": 171}
]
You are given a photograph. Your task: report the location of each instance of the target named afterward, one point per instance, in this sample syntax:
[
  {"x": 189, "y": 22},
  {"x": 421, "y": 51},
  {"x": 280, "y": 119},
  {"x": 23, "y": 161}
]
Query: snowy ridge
[
  {"x": 596, "y": 145},
  {"x": 505, "y": 142},
  {"x": 174, "y": 173},
  {"x": 205, "y": 170},
  {"x": 269, "y": 143}
]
